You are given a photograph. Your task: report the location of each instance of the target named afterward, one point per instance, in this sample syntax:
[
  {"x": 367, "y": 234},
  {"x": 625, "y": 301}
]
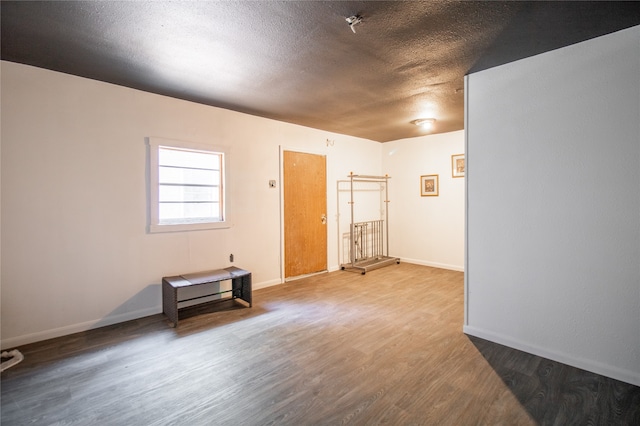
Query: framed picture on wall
[
  {"x": 429, "y": 185},
  {"x": 457, "y": 165}
]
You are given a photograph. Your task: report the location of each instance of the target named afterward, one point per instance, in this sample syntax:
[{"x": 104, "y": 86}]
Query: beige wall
[{"x": 426, "y": 230}]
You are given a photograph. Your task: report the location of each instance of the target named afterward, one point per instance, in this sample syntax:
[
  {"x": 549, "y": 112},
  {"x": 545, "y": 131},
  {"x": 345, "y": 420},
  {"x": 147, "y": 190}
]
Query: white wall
[
  {"x": 425, "y": 230},
  {"x": 75, "y": 253},
  {"x": 554, "y": 205}
]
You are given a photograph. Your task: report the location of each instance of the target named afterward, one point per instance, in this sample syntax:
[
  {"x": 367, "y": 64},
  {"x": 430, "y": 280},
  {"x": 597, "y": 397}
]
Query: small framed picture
[
  {"x": 457, "y": 165},
  {"x": 429, "y": 185}
]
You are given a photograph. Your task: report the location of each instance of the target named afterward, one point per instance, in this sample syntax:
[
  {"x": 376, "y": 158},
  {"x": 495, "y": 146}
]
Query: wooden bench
[{"x": 240, "y": 288}]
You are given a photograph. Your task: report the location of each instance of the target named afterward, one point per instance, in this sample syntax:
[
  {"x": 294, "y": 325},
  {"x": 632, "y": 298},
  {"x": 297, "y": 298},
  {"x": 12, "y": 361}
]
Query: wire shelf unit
[{"x": 369, "y": 240}]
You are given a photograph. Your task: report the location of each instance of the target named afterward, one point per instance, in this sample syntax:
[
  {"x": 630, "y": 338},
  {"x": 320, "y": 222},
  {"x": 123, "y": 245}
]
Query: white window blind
[{"x": 187, "y": 187}]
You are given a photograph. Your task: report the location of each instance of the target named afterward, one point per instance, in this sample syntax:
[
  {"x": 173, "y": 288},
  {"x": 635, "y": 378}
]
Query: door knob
[{"x": 324, "y": 219}]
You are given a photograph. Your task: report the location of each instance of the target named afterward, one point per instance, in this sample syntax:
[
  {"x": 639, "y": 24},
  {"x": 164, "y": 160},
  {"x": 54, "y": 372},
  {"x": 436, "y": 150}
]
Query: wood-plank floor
[{"x": 338, "y": 348}]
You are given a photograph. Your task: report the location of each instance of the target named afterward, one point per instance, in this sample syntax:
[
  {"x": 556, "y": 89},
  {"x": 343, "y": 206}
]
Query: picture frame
[
  {"x": 458, "y": 165},
  {"x": 429, "y": 186}
]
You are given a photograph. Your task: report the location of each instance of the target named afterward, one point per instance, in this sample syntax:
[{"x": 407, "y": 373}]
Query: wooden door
[{"x": 305, "y": 210}]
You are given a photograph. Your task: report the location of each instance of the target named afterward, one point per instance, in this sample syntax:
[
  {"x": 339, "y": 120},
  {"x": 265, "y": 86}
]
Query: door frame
[{"x": 281, "y": 192}]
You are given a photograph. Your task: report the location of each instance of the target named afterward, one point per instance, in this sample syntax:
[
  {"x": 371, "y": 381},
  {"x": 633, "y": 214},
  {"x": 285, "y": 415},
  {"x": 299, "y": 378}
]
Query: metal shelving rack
[{"x": 369, "y": 241}]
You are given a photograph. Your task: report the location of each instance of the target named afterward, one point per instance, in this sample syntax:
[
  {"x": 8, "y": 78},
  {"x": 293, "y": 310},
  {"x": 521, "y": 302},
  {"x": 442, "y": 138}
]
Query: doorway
[{"x": 305, "y": 213}]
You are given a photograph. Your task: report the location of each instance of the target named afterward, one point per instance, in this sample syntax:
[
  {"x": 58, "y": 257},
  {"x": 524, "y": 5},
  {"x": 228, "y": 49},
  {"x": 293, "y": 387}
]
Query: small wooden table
[{"x": 240, "y": 288}]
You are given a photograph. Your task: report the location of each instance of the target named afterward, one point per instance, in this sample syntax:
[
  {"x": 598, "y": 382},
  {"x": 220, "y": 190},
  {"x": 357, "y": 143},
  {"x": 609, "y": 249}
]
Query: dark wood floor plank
[{"x": 385, "y": 348}]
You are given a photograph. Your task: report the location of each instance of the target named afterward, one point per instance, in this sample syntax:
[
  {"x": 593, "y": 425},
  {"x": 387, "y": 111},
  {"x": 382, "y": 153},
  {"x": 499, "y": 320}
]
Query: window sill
[{"x": 183, "y": 227}]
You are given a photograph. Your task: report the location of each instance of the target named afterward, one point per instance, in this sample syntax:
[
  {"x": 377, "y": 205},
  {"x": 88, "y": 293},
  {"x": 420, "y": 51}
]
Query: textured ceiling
[{"x": 298, "y": 61}]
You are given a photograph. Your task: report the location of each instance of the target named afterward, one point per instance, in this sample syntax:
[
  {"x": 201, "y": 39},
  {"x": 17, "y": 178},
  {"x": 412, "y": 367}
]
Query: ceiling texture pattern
[{"x": 299, "y": 61}]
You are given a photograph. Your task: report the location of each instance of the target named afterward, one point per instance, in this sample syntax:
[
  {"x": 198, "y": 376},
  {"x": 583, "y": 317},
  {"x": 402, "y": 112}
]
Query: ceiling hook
[{"x": 353, "y": 21}]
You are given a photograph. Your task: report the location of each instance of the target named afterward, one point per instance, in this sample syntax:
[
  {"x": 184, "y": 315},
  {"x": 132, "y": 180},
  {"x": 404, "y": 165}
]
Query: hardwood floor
[{"x": 338, "y": 348}]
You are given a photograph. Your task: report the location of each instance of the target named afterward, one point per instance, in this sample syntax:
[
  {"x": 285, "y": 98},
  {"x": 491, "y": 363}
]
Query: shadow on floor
[
  {"x": 556, "y": 393},
  {"x": 213, "y": 314}
]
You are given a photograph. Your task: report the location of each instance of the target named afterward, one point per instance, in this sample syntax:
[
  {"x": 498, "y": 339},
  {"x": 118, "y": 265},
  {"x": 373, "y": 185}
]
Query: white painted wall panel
[{"x": 554, "y": 205}]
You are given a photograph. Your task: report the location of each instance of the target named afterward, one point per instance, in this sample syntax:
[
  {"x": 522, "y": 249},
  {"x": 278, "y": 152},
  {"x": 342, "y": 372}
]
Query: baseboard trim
[
  {"x": 334, "y": 268},
  {"x": 613, "y": 372},
  {"x": 14, "y": 342},
  {"x": 434, "y": 264},
  {"x": 265, "y": 284}
]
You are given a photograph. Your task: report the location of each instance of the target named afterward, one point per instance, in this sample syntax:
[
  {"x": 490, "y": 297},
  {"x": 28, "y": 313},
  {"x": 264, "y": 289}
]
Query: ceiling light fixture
[
  {"x": 353, "y": 21},
  {"x": 426, "y": 123}
]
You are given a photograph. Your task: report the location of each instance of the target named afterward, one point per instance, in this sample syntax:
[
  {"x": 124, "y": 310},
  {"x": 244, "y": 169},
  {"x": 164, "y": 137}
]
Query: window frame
[{"x": 154, "y": 225}]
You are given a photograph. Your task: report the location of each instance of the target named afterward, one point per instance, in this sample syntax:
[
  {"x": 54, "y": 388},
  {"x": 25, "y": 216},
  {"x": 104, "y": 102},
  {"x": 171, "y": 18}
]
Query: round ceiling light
[{"x": 426, "y": 123}]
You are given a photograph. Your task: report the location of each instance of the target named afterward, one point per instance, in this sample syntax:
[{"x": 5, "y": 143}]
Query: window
[{"x": 187, "y": 186}]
